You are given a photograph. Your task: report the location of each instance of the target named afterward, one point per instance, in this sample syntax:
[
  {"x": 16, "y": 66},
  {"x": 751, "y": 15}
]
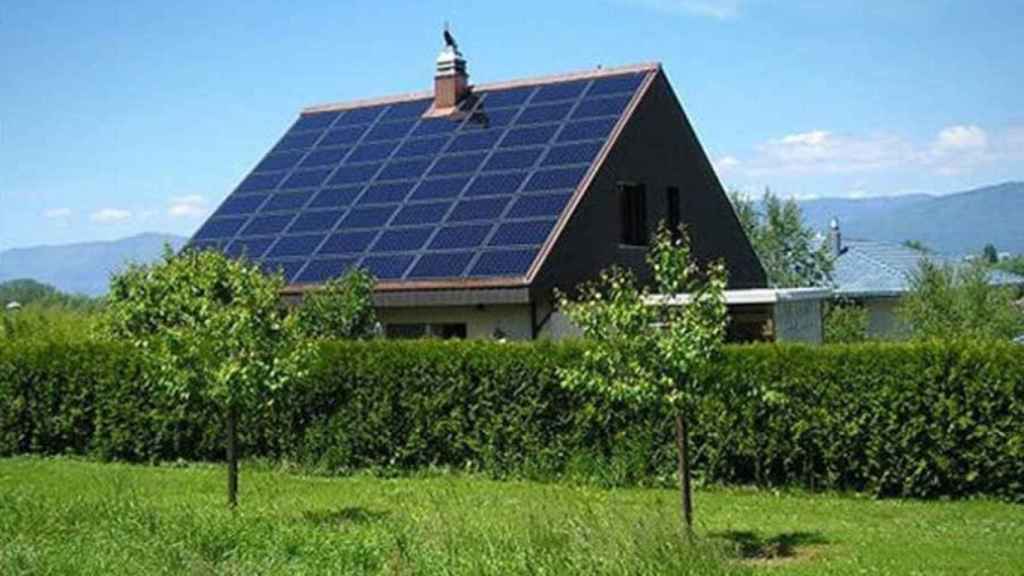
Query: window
[
  {"x": 633, "y": 202},
  {"x": 415, "y": 331},
  {"x": 672, "y": 206}
]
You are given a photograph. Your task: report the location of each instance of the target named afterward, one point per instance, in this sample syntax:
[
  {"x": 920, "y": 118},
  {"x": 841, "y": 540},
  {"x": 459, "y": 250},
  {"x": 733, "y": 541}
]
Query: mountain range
[{"x": 953, "y": 224}]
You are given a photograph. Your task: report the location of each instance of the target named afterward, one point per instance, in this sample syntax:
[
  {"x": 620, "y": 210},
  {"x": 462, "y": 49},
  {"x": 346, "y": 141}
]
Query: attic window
[
  {"x": 633, "y": 204},
  {"x": 672, "y": 219}
]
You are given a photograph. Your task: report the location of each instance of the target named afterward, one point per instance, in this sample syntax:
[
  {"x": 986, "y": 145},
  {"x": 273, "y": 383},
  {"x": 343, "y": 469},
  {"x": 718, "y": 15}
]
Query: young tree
[
  {"x": 341, "y": 308},
  {"x": 790, "y": 252},
  {"x": 845, "y": 323},
  {"x": 947, "y": 301},
  {"x": 990, "y": 254},
  {"x": 653, "y": 348},
  {"x": 210, "y": 327}
]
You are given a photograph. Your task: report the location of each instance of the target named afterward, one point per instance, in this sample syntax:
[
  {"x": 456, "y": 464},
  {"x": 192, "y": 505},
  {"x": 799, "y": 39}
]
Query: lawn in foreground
[{"x": 75, "y": 517}]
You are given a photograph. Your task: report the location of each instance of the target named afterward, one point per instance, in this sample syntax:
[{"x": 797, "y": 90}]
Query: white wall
[
  {"x": 883, "y": 320},
  {"x": 481, "y": 322},
  {"x": 799, "y": 321}
]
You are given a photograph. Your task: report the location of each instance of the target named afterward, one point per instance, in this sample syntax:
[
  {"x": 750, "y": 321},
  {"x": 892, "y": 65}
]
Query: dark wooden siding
[{"x": 658, "y": 148}]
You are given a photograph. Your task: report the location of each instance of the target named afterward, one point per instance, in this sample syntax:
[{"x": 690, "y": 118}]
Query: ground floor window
[{"x": 411, "y": 331}]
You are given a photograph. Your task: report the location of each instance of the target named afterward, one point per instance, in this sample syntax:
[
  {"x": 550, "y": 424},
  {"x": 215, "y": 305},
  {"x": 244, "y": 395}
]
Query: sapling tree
[
  {"x": 209, "y": 327},
  {"x": 341, "y": 308},
  {"x": 653, "y": 348}
]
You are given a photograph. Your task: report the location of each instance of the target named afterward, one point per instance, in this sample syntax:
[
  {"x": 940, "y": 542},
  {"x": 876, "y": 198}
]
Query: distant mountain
[
  {"x": 953, "y": 224},
  {"x": 83, "y": 268}
]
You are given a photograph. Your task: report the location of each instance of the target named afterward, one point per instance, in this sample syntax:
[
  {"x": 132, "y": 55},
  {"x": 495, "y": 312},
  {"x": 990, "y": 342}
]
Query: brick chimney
[{"x": 451, "y": 82}]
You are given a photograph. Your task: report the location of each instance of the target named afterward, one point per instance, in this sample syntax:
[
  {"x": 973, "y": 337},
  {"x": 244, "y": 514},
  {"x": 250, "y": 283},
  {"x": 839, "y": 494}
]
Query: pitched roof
[
  {"x": 868, "y": 268},
  {"x": 473, "y": 200}
]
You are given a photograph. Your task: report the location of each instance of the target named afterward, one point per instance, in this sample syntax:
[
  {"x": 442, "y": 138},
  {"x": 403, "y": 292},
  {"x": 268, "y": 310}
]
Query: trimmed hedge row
[{"x": 923, "y": 420}]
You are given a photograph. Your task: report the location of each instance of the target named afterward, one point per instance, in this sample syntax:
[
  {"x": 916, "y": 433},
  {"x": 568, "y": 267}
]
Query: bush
[{"x": 907, "y": 419}]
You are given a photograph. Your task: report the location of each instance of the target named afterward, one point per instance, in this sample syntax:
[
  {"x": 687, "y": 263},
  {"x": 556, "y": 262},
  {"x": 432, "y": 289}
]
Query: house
[
  {"x": 472, "y": 203},
  {"x": 876, "y": 275}
]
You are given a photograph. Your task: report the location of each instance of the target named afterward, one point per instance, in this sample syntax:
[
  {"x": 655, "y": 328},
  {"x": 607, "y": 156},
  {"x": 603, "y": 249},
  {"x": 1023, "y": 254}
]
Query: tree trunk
[
  {"x": 683, "y": 450},
  {"x": 232, "y": 446}
]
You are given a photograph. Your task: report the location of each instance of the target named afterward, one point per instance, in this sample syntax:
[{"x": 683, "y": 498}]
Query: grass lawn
[{"x": 75, "y": 517}]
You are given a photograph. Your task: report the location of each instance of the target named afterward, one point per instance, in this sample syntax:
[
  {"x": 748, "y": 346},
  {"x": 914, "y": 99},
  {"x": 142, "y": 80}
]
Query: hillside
[
  {"x": 955, "y": 224},
  {"x": 83, "y": 268}
]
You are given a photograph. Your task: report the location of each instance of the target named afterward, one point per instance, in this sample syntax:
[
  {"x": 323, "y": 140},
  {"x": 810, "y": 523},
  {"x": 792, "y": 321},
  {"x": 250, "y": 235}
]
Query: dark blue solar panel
[
  {"x": 257, "y": 182},
  {"x": 545, "y": 113},
  {"x": 220, "y": 228},
  {"x": 504, "y": 263},
  {"x": 587, "y": 130},
  {"x": 432, "y": 126},
  {"x": 324, "y": 157},
  {"x": 493, "y": 184},
  {"x": 317, "y": 121},
  {"x": 389, "y": 131},
  {"x": 470, "y": 141},
  {"x": 387, "y": 267},
  {"x": 250, "y": 249},
  {"x": 469, "y": 236},
  {"x": 306, "y": 179},
  {"x": 332, "y": 197},
  {"x": 315, "y": 221},
  {"x": 240, "y": 205},
  {"x": 406, "y": 169},
  {"x": 612, "y": 106},
  {"x": 522, "y": 233},
  {"x": 572, "y": 154},
  {"x": 386, "y": 193},
  {"x": 341, "y": 136},
  {"x": 615, "y": 84},
  {"x": 483, "y": 209},
  {"x": 529, "y": 136},
  {"x": 402, "y": 240},
  {"x": 421, "y": 213},
  {"x": 360, "y": 116},
  {"x": 512, "y": 97},
  {"x": 553, "y": 179},
  {"x": 353, "y": 174},
  {"x": 264, "y": 225},
  {"x": 485, "y": 119},
  {"x": 546, "y": 205},
  {"x": 319, "y": 271},
  {"x": 297, "y": 141},
  {"x": 513, "y": 159},
  {"x": 372, "y": 217},
  {"x": 421, "y": 147},
  {"x": 507, "y": 183},
  {"x": 287, "y": 201},
  {"x": 404, "y": 110},
  {"x": 281, "y": 161},
  {"x": 287, "y": 268},
  {"x": 348, "y": 242},
  {"x": 447, "y": 265},
  {"x": 372, "y": 152},
  {"x": 559, "y": 91},
  {"x": 439, "y": 188},
  {"x": 457, "y": 164},
  {"x": 295, "y": 245}
]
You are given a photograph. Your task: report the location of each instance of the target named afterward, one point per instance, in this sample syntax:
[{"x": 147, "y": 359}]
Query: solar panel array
[{"x": 420, "y": 198}]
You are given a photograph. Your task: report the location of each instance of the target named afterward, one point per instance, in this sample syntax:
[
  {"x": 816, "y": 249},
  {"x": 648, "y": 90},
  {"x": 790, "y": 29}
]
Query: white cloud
[
  {"x": 960, "y": 138},
  {"x": 726, "y": 163},
  {"x": 821, "y": 151},
  {"x": 109, "y": 215},
  {"x": 957, "y": 149},
  {"x": 193, "y": 206},
  {"x": 720, "y": 9},
  {"x": 57, "y": 213}
]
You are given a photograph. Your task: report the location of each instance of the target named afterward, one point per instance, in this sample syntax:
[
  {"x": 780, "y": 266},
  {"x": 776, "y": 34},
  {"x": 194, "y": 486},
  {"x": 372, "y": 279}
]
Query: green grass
[{"x": 75, "y": 517}]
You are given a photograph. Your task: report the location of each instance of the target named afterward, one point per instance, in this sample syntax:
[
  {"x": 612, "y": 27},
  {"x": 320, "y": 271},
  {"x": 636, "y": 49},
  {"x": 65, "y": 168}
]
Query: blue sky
[{"x": 118, "y": 118}]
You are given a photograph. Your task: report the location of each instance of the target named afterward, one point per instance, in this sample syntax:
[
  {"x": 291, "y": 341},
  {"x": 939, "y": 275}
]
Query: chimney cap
[{"x": 833, "y": 224}]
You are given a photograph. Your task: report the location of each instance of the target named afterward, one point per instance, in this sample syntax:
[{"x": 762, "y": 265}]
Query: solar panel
[
  {"x": 444, "y": 265},
  {"x": 287, "y": 268},
  {"x": 475, "y": 194},
  {"x": 504, "y": 263}
]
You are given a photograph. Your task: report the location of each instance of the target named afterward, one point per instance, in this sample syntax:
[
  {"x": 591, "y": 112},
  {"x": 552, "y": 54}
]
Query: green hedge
[{"x": 923, "y": 420}]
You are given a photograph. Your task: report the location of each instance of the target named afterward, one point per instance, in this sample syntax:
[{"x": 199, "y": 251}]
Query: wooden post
[
  {"x": 683, "y": 450},
  {"x": 232, "y": 449}
]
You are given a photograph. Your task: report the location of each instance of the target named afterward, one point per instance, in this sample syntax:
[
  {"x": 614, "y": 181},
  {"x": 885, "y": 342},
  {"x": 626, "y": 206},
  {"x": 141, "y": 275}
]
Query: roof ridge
[{"x": 503, "y": 85}]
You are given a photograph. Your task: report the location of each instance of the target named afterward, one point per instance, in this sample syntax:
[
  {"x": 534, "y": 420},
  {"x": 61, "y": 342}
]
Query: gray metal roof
[{"x": 868, "y": 268}]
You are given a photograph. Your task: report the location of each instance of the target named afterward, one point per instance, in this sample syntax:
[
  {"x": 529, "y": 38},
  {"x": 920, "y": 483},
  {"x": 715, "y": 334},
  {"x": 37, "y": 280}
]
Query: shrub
[{"x": 921, "y": 419}]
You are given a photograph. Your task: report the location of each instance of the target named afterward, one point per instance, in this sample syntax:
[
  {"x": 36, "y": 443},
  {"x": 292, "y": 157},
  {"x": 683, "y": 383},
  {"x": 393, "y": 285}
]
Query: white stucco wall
[
  {"x": 799, "y": 321},
  {"x": 883, "y": 320},
  {"x": 481, "y": 322}
]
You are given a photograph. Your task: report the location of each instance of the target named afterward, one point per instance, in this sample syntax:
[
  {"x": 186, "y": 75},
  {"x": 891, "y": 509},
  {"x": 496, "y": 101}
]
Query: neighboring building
[
  {"x": 472, "y": 203},
  {"x": 877, "y": 275}
]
